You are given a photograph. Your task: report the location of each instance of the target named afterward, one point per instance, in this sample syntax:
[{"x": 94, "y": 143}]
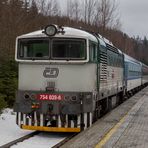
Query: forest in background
[{"x": 18, "y": 17}]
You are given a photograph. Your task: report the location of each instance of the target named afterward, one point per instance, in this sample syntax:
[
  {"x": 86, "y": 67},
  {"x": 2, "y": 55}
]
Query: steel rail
[
  {"x": 65, "y": 140},
  {"x": 8, "y": 145}
]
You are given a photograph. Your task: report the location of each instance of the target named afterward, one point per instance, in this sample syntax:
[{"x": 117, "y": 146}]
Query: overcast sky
[{"x": 134, "y": 17}]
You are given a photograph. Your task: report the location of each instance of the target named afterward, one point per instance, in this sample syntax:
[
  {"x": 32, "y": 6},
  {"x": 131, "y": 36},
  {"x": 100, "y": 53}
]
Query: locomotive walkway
[{"x": 125, "y": 126}]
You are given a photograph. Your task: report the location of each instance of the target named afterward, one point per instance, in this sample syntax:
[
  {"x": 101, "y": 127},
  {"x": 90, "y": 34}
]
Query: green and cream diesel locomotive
[{"x": 67, "y": 78}]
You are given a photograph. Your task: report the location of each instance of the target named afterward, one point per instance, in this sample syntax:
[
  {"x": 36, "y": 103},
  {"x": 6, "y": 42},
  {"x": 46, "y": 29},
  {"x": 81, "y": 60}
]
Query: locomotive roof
[{"x": 69, "y": 32}]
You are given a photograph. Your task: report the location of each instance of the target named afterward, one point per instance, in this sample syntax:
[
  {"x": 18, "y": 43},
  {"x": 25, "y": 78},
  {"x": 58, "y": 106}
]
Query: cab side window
[{"x": 93, "y": 51}]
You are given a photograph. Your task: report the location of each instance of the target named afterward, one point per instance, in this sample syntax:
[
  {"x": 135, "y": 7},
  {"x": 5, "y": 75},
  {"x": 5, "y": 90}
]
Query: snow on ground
[
  {"x": 43, "y": 140},
  {"x": 9, "y": 131}
]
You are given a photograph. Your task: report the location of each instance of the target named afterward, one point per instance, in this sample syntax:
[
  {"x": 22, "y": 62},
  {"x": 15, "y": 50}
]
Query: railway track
[
  {"x": 64, "y": 141},
  {"x": 43, "y": 138},
  {"x": 19, "y": 140}
]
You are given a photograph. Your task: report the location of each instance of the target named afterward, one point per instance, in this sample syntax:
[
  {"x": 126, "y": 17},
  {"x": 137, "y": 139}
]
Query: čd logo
[{"x": 51, "y": 72}]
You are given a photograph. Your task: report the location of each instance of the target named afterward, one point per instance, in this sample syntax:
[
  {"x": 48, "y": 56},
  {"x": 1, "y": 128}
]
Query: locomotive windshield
[
  {"x": 68, "y": 49},
  {"x": 54, "y": 49},
  {"x": 34, "y": 49}
]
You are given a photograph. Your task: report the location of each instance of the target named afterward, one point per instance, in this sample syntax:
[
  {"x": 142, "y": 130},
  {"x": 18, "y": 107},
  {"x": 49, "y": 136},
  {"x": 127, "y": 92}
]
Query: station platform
[{"x": 125, "y": 126}]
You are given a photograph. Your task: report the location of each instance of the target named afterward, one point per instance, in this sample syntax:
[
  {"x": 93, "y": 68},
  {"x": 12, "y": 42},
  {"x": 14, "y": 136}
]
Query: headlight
[
  {"x": 26, "y": 96},
  {"x": 50, "y": 30}
]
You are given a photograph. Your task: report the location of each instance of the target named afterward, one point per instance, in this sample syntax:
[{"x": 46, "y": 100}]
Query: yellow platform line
[{"x": 110, "y": 133}]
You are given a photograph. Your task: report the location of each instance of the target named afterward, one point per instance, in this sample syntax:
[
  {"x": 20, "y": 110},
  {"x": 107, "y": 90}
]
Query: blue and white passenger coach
[
  {"x": 67, "y": 78},
  {"x": 133, "y": 73}
]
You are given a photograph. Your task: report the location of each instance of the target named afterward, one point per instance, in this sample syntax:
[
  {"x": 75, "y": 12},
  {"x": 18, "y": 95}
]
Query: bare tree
[
  {"x": 52, "y": 8},
  {"x": 27, "y": 5},
  {"x": 9, "y": 22},
  {"x": 70, "y": 9},
  {"x": 77, "y": 11},
  {"x": 89, "y": 11},
  {"x": 48, "y": 7},
  {"x": 106, "y": 14},
  {"x": 41, "y": 6},
  {"x": 73, "y": 10}
]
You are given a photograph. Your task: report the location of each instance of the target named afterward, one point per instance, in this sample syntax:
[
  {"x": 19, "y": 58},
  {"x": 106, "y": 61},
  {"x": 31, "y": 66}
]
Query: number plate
[{"x": 53, "y": 97}]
